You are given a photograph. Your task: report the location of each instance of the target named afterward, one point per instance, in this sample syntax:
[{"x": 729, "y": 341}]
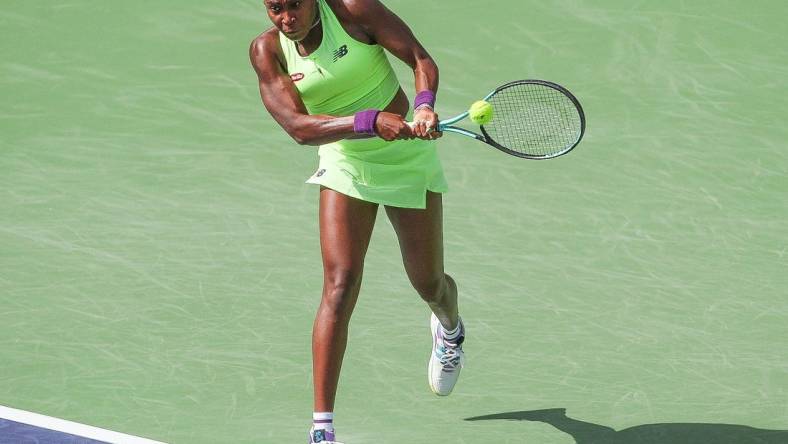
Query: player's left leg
[{"x": 420, "y": 234}]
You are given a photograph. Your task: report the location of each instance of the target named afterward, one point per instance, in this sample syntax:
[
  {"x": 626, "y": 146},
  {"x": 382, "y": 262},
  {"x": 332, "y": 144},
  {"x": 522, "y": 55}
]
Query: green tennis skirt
[{"x": 397, "y": 173}]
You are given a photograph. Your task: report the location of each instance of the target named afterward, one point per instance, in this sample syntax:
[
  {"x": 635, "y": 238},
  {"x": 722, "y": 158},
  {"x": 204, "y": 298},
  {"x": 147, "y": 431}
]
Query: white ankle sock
[
  {"x": 323, "y": 420},
  {"x": 453, "y": 334}
]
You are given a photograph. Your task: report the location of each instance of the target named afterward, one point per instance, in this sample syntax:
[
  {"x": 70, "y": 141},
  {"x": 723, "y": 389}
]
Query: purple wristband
[
  {"x": 364, "y": 121},
  {"x": 425, "y": 97}
]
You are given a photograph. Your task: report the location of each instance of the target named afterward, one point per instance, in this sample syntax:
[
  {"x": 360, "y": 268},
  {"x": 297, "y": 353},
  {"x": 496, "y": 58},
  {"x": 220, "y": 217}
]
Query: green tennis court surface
[{"x": 159, "y": 264}]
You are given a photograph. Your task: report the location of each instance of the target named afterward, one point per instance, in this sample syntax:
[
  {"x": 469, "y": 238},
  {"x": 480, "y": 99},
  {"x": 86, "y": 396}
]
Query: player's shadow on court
[{"x": 670, "y": 433}]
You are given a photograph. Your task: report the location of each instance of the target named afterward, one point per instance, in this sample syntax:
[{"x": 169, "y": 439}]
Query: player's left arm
[{"x": 389, "y": 31}]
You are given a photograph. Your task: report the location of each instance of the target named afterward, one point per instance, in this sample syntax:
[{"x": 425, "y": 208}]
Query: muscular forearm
[
  {"x": 321, "y": 129},
  {"x": 426, "y": 73}
]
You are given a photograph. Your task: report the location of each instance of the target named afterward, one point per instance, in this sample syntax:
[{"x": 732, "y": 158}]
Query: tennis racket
[{"x": 533, "y": 119}]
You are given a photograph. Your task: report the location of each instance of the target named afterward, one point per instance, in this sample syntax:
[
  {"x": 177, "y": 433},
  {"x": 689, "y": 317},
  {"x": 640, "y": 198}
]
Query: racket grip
[{"x": 413, "y": 125}]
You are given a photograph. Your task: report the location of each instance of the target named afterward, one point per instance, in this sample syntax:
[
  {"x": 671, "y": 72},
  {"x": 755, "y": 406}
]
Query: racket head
[{"x": 534, "y": 119}]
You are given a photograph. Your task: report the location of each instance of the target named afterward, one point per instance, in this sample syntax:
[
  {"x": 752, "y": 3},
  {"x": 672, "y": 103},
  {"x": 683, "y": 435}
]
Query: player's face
[{"x": 294, "y": 18}]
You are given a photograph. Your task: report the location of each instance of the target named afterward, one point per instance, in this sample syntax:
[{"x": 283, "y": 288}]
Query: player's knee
[{"x": 339, "y": 292}]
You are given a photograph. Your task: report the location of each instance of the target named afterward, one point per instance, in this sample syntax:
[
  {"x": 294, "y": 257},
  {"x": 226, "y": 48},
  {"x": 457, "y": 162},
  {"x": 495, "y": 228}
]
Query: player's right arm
[{"x": 282, "y": 101}]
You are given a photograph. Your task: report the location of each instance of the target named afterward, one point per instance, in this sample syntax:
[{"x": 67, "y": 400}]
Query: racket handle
[{"x": 413, "y": 125}]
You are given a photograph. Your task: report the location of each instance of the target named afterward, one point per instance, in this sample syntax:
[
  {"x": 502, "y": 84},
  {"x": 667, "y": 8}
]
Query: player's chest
[{"x": 333, "y": 68}]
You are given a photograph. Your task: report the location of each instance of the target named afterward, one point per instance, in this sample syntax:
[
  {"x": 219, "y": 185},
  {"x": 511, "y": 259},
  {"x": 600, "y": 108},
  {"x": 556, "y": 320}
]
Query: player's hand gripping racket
[{"x": 534, "y": 119}]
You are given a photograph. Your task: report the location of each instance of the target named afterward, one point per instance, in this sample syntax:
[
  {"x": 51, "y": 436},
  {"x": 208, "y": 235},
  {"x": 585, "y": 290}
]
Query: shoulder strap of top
[
  {"x": 331, "y": 24},
  {"x": 286, "y": 46}
]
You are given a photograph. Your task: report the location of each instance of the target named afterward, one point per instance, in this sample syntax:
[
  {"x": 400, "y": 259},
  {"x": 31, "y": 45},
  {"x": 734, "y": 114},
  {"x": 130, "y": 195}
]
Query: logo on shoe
[{"x": 297, "y": 76}]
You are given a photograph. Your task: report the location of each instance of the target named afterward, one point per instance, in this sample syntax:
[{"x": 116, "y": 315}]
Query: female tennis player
[{"x": 325, "y": 78}]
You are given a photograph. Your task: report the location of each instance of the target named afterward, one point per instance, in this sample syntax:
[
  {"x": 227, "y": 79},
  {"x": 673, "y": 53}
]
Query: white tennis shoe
[
  {"x": 446, "y": 360},
  {"x": 321, "y": 437}
]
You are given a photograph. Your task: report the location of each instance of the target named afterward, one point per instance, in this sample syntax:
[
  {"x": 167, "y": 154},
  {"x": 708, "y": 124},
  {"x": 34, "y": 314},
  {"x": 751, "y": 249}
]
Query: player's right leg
[{"x": 345, "y": 229}]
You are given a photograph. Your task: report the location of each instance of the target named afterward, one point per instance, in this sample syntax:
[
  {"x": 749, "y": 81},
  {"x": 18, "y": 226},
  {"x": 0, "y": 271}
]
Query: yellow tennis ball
[{"x": 481, "y": 112}]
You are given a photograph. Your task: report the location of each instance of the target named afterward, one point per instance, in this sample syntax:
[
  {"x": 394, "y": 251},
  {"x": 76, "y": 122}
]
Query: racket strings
[{"x": 534, "y": 120}]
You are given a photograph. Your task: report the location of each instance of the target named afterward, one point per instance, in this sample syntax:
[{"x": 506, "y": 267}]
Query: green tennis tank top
[{"x": 342, "y": 76}]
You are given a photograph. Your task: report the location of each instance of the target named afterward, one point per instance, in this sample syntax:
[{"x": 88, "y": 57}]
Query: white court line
[{"x": 73, "y": 428}]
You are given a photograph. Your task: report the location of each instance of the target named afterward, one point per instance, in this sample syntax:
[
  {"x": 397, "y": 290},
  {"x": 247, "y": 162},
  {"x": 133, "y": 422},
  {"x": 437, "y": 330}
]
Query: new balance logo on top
[{"x": 340, "y": 52}]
